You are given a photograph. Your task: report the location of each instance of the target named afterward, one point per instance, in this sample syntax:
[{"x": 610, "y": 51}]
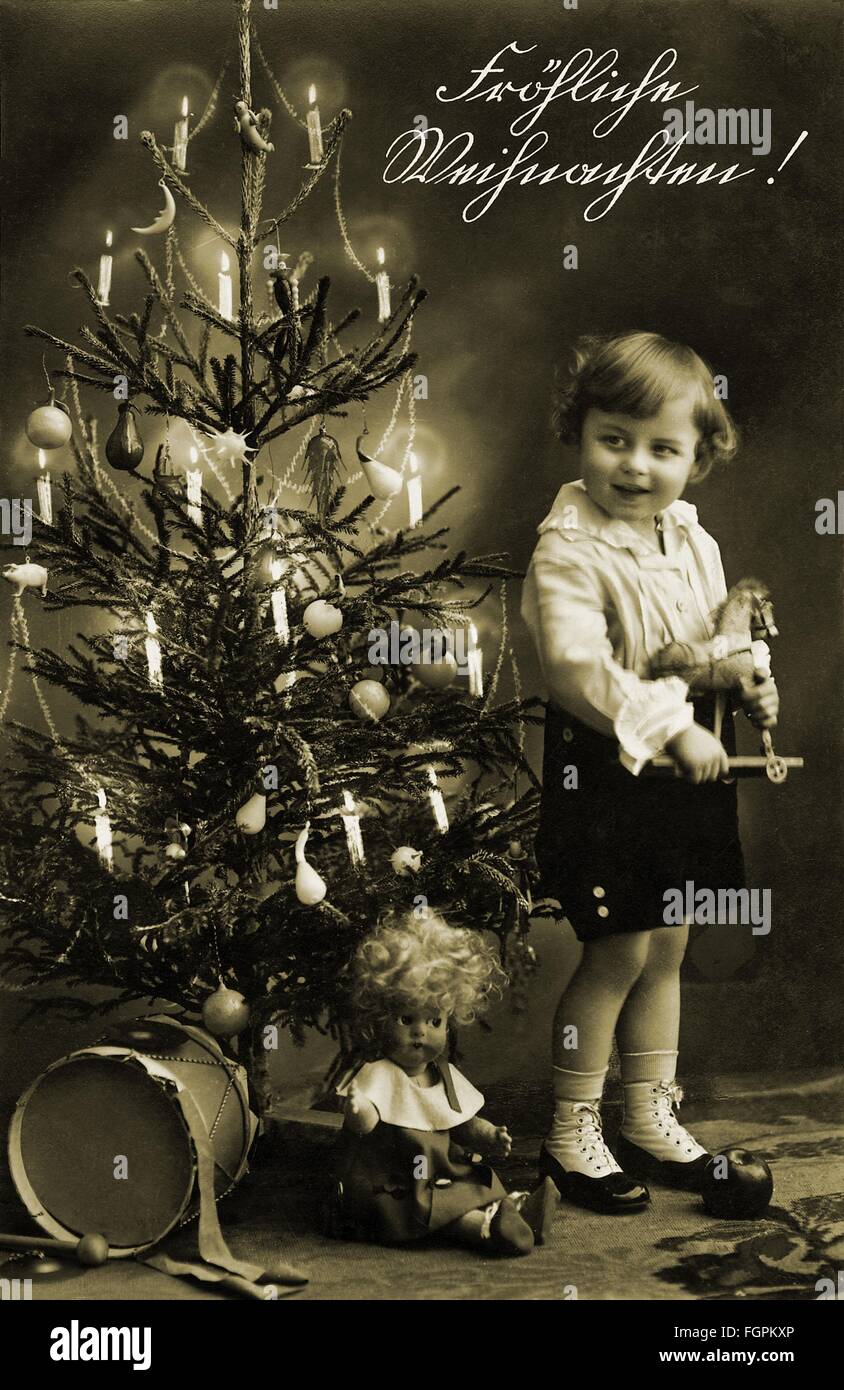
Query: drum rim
[
  {"x": 17, "y": 1169},
  {"x": 33, "y": 1203}
]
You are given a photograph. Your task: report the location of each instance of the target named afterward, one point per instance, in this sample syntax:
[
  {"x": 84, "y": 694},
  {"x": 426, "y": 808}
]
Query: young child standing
[{"x": 621, "y": 568}]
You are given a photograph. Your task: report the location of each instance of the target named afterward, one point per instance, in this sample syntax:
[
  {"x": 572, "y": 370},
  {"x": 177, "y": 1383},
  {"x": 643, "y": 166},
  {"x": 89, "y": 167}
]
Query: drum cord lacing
[{"x": 203, "y": 1062}]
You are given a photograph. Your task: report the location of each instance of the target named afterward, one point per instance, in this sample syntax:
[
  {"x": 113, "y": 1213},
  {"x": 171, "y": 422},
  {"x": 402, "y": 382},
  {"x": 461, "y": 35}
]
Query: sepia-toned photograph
[{"x": 421, "y": 667}]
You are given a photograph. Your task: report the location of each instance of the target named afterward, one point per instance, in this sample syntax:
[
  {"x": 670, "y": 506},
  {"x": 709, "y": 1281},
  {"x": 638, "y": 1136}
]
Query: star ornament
[{"x": 227, "y": 446}]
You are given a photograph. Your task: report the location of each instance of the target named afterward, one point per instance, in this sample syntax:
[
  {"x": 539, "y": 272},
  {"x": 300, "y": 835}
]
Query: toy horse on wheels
[{"x": 733, "y": 659}]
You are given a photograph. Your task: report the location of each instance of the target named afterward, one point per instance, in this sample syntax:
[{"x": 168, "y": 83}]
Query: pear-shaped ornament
[
  {"x": 124, "y": 446},
  {"x": 384, "y": 482},
  {"x": 310, "y": 888},
  {"x": 252, "y": 815}
]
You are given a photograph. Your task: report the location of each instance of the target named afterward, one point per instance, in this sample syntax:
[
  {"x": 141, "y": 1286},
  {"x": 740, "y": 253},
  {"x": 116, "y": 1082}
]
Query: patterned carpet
[{"x": 673, "y": 1250}]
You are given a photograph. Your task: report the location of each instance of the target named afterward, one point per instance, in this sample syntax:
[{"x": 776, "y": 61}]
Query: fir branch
[
  {"x": 148, "y": 139},
  {"x": 333, "y": 144}
]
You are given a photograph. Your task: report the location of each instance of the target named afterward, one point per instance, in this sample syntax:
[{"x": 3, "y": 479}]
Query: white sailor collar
[
  {"x": 399, "y": 1102},
  {"x": 573, "y": 513}
]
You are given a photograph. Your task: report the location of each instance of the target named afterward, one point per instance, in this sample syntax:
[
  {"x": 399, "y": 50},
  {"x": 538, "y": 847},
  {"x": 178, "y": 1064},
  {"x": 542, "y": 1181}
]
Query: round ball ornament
[
  {"x": 436, "y": 674},
  {"x": 322, "y": 619},
  {"x": 369, "y": 700},
  {"x": 737, "y": 1184},
  {"x": 49, "y": 427},
  {"x": 225, "y": 1013}
]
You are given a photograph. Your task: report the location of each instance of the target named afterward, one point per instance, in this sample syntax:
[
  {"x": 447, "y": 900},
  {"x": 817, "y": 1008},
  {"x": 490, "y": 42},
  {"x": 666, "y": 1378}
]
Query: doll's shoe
[
  {"x": 504, "y": 1231},
  {"x": 655, "y": 1144},
  {"x": 538, "y": 1208}
]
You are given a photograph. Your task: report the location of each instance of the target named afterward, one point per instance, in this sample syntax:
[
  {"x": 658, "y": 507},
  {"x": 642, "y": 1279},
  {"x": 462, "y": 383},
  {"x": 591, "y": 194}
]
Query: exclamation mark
[{"x": 798, "y": 142}]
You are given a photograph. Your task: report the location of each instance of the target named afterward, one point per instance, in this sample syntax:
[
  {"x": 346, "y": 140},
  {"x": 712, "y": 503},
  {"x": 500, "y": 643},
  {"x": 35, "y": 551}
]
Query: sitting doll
[{"x": 410, "y": 1161}]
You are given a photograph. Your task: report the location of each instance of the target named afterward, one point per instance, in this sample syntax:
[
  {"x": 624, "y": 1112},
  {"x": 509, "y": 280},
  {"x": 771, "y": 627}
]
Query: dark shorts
[{"x": 610, "y": 849}]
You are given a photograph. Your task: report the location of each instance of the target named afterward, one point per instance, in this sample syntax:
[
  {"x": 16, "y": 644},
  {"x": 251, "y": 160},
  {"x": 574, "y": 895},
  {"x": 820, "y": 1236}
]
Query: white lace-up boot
[
  {"x": 652, "y": 1140},
  {"x": 575, "y": 1155}
]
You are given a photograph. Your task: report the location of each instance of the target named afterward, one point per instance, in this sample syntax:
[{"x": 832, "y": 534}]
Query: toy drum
[{"x": 112, "y": 1137}]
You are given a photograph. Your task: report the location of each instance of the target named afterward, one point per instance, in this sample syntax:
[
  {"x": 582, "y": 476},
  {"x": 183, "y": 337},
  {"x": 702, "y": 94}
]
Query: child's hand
[
  {"x": 760, "y": 702},
  {"x": 699, "y": 755},
  {"x": 502, "y": 1143},
  {"x": 353, "y": 1099}
]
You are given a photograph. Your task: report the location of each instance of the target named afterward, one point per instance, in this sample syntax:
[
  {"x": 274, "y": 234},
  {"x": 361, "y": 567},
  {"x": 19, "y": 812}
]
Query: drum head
[{"x": 79, "y": 1121}]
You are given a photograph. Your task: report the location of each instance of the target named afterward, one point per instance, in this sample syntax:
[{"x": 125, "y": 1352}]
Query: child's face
[
  {"x": 635, "y": 468},
  {"x": 415, "y": 1038}
]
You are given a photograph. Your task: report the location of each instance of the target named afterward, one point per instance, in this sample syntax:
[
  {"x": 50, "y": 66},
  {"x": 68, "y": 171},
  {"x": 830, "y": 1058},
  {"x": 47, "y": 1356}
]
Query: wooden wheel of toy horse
[{"x": 104, "y": 1139}]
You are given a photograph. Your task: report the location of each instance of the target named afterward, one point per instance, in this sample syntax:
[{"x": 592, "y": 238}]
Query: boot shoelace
[
  {"x": 591, "y": 1137},
  {"x": 667, "y": 1096}
]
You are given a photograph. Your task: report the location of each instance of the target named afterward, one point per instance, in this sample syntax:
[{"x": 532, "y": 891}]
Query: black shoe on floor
[
  {"x": 615, "y": 1193},
  {"x": 686, "y": 1176}
]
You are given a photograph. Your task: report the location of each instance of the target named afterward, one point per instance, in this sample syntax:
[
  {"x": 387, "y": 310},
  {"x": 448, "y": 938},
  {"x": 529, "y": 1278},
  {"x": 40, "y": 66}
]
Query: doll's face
[{"x": 416, "y": 1037}]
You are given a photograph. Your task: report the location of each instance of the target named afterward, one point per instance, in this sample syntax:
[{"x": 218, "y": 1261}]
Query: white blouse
[{"x": 600, "y": 604}]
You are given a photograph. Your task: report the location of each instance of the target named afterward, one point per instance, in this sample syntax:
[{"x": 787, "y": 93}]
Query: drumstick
[{"x": 89, "y": 1250}]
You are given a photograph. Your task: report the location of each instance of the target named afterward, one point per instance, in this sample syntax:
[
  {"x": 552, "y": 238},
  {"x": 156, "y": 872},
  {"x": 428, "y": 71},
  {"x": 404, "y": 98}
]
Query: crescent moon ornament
[{"x": 164, "y": 218}]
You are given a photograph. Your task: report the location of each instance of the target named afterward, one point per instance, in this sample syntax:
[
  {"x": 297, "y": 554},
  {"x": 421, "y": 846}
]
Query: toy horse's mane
[{"x": 749, "y": 585}]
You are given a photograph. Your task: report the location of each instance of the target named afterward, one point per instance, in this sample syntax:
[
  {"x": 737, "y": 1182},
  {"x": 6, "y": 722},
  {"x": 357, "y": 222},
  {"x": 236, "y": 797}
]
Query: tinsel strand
[{"x": 211, "y": 105}]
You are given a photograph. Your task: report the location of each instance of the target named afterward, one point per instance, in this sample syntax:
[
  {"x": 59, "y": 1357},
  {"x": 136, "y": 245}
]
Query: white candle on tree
[
  {"x": 153, "y": 651},
  {"x": 180, "y": 139},
  {"x": 45, "y": 490},
  {"x": 351, "y": 824},
  {"x": 414, "y": 491},
  {"x": 193, "y": 481},
  {"x": 435, "y": 797},
  {"x": 104, "y": 287},
  {"x": 382, "y": 281},
  {"x": 314, "y": 128},
  {"x": 279, "y": 602},
  {"x": 475, "y": 661},
  {"x": 224, "y": 281},
  {"x": 102, "y": 826}
]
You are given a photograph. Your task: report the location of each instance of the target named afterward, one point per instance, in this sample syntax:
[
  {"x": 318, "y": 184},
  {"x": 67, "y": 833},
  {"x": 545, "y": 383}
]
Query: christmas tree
[{"x": 270, "y": 757}]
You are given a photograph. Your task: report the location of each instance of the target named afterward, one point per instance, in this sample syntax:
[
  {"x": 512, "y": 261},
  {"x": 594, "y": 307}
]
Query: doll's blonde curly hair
[{"x": 420, "y": 964}]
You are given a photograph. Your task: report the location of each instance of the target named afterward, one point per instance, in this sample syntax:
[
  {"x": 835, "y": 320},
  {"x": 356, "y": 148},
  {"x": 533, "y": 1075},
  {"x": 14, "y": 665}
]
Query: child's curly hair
[
  {"x": 420, "y": 964},
  {"x": 635, "y": 373}
]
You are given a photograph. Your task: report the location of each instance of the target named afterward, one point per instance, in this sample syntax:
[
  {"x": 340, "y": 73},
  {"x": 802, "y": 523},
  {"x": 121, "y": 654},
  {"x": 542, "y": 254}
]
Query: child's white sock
[
  {"x": 576, "y": 1139},
  {"x": 650, "y": 1097}
]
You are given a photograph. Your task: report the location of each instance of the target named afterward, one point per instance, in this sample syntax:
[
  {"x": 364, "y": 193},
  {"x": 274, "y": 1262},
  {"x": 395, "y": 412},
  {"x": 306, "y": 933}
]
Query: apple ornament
[
  {"x": 406, "y": 860},
  {"x": 322, "y": 619},
  {"x": 225, "y": 1013},
  {"x": 435, "y": 673},
  {"x": 49, "y": 427}
]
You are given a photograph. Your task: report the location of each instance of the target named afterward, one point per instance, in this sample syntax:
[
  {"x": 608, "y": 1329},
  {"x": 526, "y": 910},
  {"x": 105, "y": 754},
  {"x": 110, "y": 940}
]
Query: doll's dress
[{"x": 409, "y": 1177}]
